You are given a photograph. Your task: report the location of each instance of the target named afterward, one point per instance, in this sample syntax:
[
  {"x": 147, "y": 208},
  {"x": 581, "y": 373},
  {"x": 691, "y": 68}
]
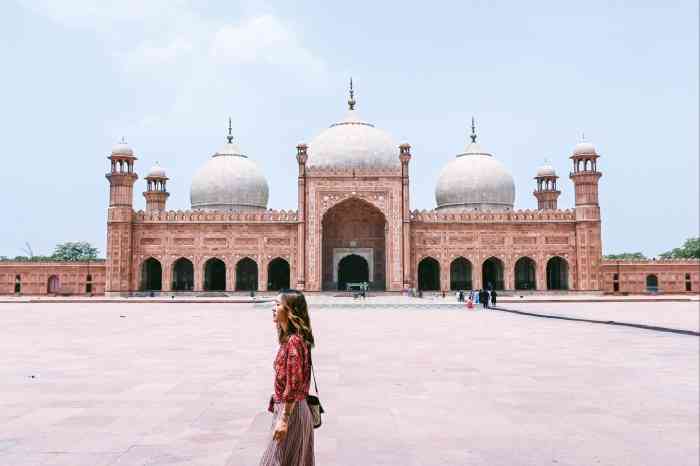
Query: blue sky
[{"x": 166, "y": 74}]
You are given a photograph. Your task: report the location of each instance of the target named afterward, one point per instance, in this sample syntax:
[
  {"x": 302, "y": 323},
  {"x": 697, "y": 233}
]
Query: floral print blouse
[{"x": 292, "y": 370}]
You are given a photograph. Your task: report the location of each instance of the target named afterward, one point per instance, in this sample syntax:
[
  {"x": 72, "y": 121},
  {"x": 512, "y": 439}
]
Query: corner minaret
[
  {"x": 585, "y": 176},
  {"x": 546, "y": 191},
  {"x": 156, "y": 192},
  {"x": 119, "y": 219},
  {"x": 405, "y": 157}
]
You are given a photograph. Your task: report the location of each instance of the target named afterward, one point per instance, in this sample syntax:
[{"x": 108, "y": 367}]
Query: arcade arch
[
  {"x": 429, "y": 274},
  {"x": 557, "y": 274},
  {"x": 525, "y": 275},
  {"x": 277, "y": 274},
  {"x": 246, "y": 275},
  {"x": 492, "y": 274},
  {"x": 183, "y": 275},
  {"x": 460, "y": 274},
  {"x": 214, "y": 275},
  {"x": 151, "y": 275}
]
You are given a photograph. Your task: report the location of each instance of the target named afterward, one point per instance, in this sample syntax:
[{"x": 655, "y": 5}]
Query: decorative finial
[
  {"x": 473, "y": 135},
  {"x": 123, "y": 140},
  {"x": 351, "y": 100},
  {"x": 583, "y": 136},
  {"x": 546, "y": 161},
  {"x": 229, "y": 138}
]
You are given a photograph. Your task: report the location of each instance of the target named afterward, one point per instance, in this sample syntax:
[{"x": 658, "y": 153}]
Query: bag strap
[{"x": 311, "y": 363}]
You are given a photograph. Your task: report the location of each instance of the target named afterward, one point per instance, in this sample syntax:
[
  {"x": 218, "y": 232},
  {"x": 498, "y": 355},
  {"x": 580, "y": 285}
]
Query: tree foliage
[
  {"x": 627, "y": 256},
  {"x": 74, "y": 251},
  {"x": 689, "y": 250},
  {"x": 64, "y": 252}
]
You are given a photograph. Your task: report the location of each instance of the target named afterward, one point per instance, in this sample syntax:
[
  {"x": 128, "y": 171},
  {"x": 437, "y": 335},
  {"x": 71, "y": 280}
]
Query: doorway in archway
[
  {"x": 352, "y": 269},
  {"x": 492, "y": 274},
  {"x": 183, "y": 275},
  {"x": 525, "y": 274},
  {"x": 277, "y": 274}
]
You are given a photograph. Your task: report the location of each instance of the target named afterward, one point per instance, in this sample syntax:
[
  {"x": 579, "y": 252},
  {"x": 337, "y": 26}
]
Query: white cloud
[{"x": 262, "y": 39}]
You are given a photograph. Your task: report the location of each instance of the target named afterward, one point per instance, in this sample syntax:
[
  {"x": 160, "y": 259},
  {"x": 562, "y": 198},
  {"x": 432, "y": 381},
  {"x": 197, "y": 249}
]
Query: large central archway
[{"x": 354, "y": 225}]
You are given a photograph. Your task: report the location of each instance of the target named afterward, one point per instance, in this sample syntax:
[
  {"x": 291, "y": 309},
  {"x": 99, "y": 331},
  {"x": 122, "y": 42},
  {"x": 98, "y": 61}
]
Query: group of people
[{"x": 487, "y": 298}]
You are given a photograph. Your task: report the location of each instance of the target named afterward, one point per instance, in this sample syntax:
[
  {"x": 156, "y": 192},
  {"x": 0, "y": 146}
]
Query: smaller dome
[
  {"x": 546, "y": 170},
  {"x": 584, "y": 148},
  {"x": 122, "y": 148},
  {"x": 156, "y": 171}
]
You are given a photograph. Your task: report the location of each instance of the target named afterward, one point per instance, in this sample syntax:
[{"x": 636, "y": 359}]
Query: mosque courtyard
[{"x": 134, "y": 383}]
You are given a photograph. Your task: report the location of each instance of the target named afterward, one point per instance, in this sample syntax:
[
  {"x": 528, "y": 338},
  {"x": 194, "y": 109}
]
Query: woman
[{"x": 292, "y": 442}]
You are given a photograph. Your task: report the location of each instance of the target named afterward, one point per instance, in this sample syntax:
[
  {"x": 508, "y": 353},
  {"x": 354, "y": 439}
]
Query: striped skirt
[{"x": 297, "y": 448}]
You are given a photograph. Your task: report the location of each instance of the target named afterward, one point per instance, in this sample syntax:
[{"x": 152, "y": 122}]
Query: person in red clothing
[{"x": 292, "y": 441}]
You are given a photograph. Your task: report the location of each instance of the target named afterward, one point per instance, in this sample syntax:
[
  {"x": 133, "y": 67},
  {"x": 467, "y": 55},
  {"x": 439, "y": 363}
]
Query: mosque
[{"x": 353, "y": 225}]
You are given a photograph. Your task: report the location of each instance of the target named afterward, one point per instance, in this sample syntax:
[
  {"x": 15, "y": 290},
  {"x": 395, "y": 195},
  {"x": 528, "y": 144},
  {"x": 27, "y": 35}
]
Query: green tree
[
  {"x": 689, "y": 250},
  {"x": 626, "y": 256},
  {"x": 74, "y": 251}
]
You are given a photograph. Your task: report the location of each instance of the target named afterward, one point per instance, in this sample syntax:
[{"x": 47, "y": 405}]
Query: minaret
[
  {"x": 546, "y": 191},
  {"x": 302, "y": 156},
  {"x": 589, "y": 247},
  {"x": 405, "y": 158},
  {"x": 156, "y": 193},
  {"x": 119, "y": 219}
]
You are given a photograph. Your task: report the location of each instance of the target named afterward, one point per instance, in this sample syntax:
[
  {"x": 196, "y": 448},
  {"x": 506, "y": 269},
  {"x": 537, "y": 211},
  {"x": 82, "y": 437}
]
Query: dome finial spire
[
  {"x": 351, "y": 100},
  {"x": 229, "y": 138},
  {"x": 473, "y": 135}
]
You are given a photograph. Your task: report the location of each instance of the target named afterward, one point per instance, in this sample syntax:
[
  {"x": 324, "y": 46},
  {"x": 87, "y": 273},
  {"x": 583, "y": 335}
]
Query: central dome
[
  {"x": 475, "y": 180},
  {"x": 229, "y": 181},
  {"x": 353, "y": 144}
]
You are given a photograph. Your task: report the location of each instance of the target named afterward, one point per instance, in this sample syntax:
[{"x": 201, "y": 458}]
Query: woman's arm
[{"x": 282, "y": 425}]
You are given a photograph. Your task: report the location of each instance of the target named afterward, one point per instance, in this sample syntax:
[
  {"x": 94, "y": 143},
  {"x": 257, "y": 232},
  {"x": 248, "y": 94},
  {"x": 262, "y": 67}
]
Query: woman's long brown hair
[{"x": 298, "y": 316}]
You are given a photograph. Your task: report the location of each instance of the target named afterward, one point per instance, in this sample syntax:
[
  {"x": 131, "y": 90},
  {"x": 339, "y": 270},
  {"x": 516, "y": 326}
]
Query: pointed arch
[
  {"x": 429, "y": 274},
  {"x": 214, "y": 275},
  {"x": 460, "y": 274},
  {"x": 246, "y": 275},
  {"x": 557, "y": 273},
  {"x": 652, "y": 283},
  {"x": 492, "y": 274},
  {"x": 525, "y": 274},
  {"x": 278, "y": 272},
  {"x": 183, "y": 275},
  {"x": 151, "y": 275}
]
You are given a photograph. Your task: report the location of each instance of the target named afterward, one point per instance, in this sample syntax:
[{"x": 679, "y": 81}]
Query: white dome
[
  {"x": 122, "y": 148},
  {"x": 229, "y": 181},
  {"x": 353, "y": 144},
  {"x": 475, "y": 180},
  {"x": 156, "y": 171},
  {"x": 546, "y": 170},
  {"x": 584, "y": 148}
]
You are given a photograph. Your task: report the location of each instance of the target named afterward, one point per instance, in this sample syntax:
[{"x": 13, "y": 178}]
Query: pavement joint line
[{"x": 606, "y": 322}]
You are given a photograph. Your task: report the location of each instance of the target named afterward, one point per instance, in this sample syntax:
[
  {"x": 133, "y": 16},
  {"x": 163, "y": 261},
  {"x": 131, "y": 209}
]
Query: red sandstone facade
[{"x": 346, "y": 216}]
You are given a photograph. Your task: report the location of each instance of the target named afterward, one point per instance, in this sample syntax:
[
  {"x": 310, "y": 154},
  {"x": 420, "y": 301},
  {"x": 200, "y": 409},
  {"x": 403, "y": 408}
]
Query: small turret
[
  {"x": 156, "y": 192},
  {"x": 546, "y": 191}
]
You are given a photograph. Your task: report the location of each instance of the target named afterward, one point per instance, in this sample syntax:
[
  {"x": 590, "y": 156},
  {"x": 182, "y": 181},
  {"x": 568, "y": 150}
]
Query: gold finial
[
  {"x": 351, "y": 100},
  {"x": 473, "y": 135}
]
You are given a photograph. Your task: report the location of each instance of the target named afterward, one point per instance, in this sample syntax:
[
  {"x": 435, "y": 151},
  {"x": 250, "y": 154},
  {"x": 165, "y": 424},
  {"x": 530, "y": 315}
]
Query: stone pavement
[{"x": 158, "y": 384}]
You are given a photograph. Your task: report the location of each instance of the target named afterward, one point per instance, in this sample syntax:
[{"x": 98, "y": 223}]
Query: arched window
[
  {"x": 277, "y": 274},
  {"x": 525, "y": 274},
  {"x": 215, "y": 275},
  {"x": 246, "y": 275},
  {"x": 652, "y": 283},
  {"x": 460, "y": 274},
  {"x": 53, "y": 284},
  {"x": 429, "y": 274},
  {"x": 557, "y": 274}
]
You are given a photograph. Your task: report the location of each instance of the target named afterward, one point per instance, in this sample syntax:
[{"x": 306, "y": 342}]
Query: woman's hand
[{"x": 280, "y": 429}]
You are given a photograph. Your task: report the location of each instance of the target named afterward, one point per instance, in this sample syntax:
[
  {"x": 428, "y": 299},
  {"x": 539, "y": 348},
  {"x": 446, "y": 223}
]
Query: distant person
[
  {"x": 292, "y": 442},
  {"x": 484, "y": 298},
  {"x": 493, "y": 298},
  {"x": 477, "y": 295}
]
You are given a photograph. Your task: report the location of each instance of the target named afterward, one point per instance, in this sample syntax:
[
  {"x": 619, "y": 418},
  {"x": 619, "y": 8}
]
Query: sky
[{"x": 167, "y": 74}]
